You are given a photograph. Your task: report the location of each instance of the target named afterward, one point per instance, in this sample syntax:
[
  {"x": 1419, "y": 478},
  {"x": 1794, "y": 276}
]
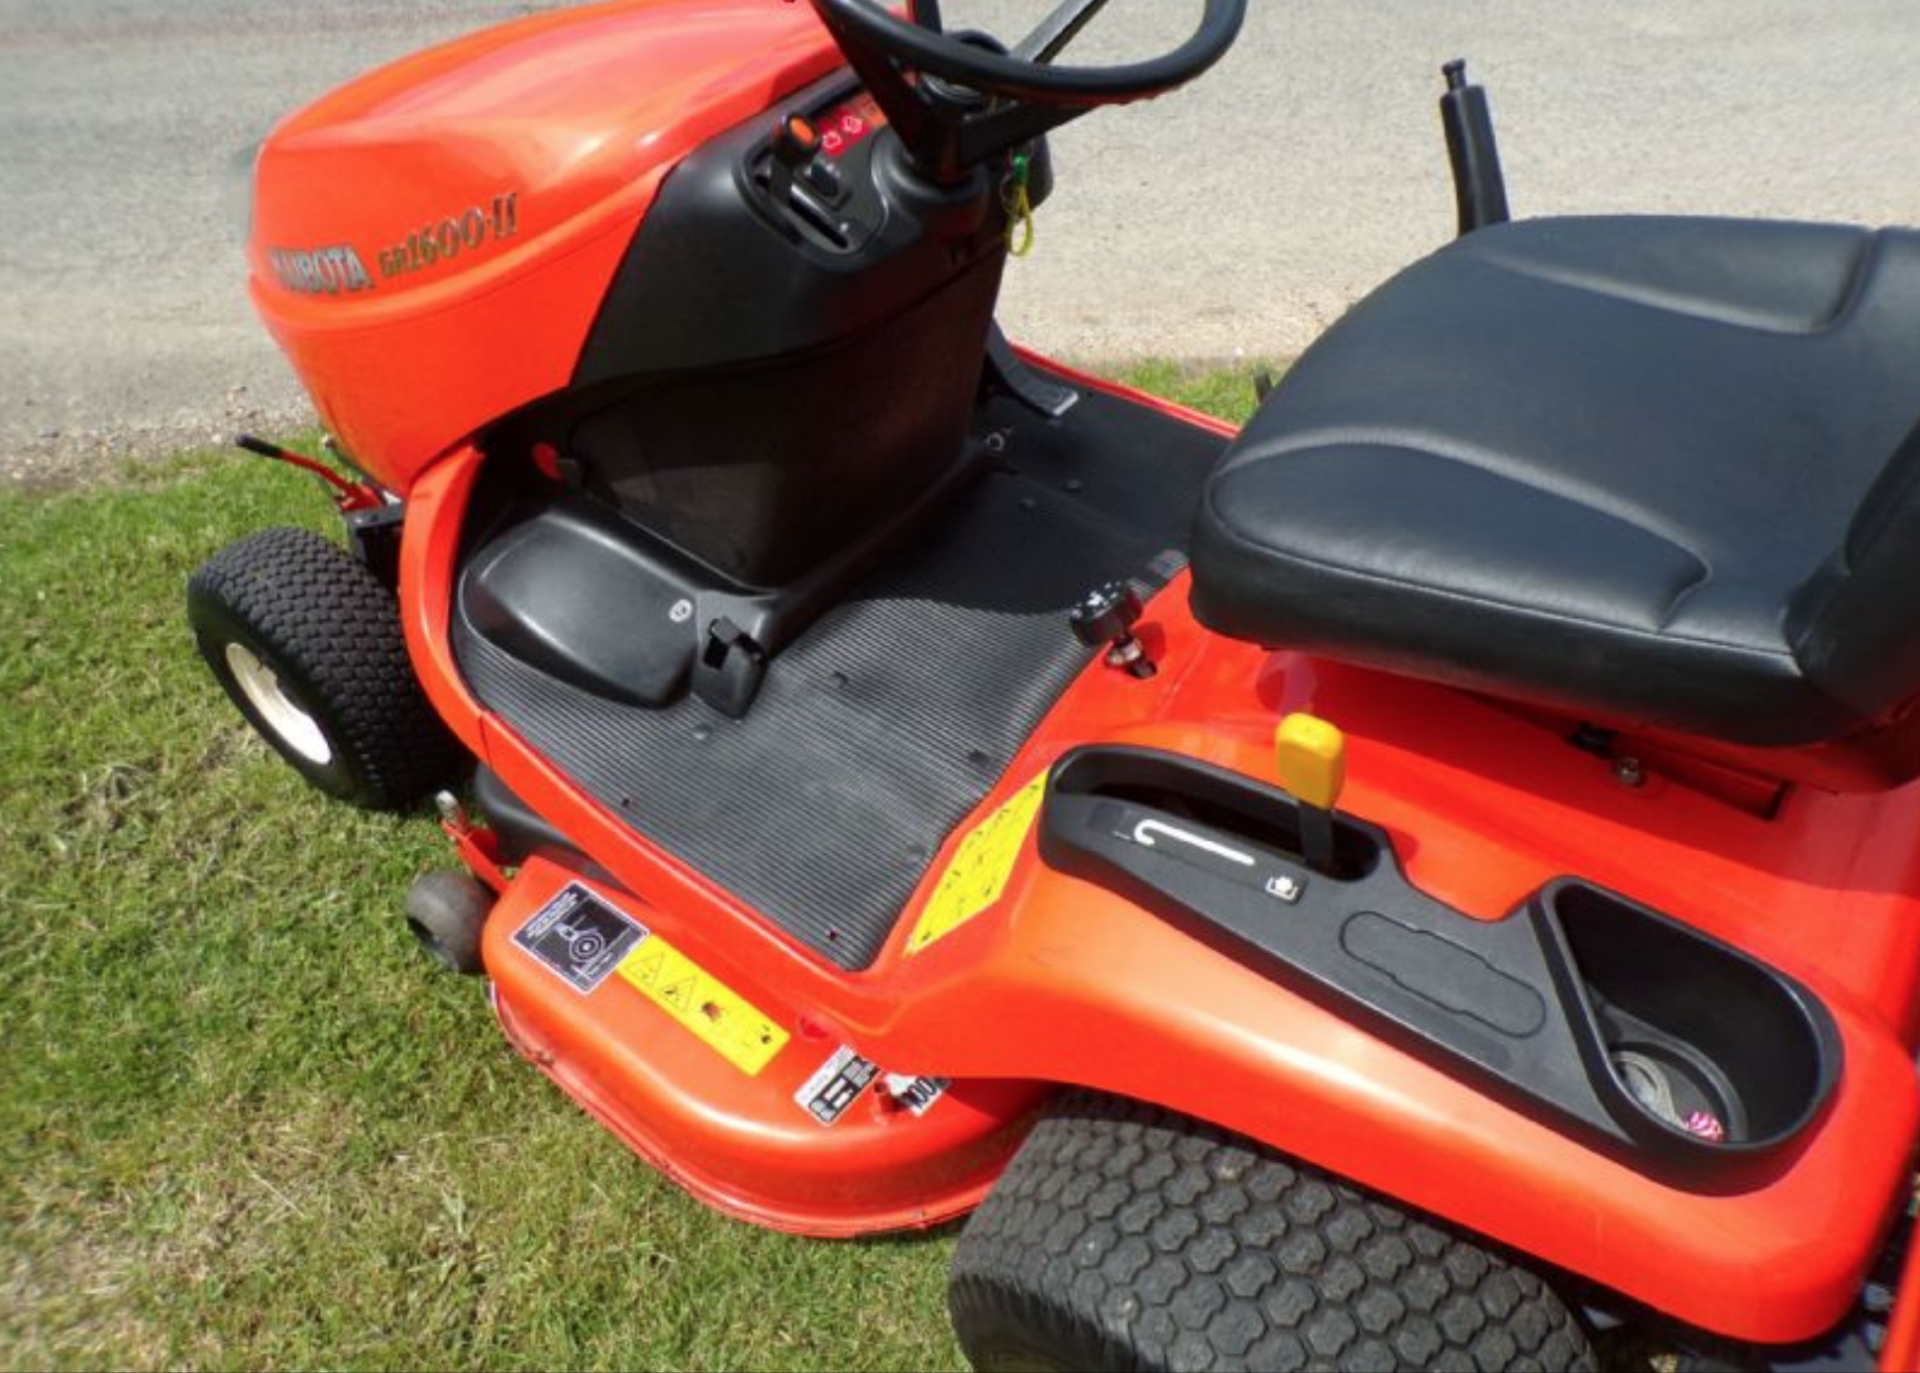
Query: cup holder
[
  {"x": 1679, "y": 1088},
  {"x": 1691, "y": 1046}
]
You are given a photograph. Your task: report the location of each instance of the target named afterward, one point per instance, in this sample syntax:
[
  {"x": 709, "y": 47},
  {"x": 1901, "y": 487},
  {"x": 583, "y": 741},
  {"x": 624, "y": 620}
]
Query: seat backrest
[{"x": 1855, "y": 626}]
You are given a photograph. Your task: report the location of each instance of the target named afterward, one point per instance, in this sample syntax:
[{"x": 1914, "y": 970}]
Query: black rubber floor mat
[{"x": 895, "y": 713}]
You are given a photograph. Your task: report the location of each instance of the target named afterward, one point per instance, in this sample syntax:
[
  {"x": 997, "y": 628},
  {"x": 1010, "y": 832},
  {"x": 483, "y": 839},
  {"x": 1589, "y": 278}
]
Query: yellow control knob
[{"x": 1312, "y": 756}]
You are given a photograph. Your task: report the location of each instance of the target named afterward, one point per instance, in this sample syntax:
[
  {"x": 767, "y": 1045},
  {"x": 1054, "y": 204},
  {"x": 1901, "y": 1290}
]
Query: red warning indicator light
[{"x": 849, "y": 125}]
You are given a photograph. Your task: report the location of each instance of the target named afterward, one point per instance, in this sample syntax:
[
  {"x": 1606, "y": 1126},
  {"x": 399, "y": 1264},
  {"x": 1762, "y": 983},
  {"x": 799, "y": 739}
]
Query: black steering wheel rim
[{"x": 1011, "y": 78}]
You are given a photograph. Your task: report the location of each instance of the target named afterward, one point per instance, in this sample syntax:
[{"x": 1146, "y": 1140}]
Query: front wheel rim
[{"x": 288, "y": 722}]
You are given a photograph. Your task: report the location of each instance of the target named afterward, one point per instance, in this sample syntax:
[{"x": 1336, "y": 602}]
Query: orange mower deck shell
[
  {"x": 1062, "y": 982},
  {"x": 739, "y": 1140}
]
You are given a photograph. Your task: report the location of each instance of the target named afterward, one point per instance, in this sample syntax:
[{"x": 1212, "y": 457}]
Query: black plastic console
[
  {"x": 1643, "y": 1035},
  {"x": 784, "y": 362},
  {"x": 779, "y": 385}
]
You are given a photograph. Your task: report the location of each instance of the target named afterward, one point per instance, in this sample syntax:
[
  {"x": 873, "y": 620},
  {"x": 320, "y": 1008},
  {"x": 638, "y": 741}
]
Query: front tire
[
  {"x": 1123, "y": 1236},
  {"x": 308, "y": 644},
  {"x": 447, "y": 912}
]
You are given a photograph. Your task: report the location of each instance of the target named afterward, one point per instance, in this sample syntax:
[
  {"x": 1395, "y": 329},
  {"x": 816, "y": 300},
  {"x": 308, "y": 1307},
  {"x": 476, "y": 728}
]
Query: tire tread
[
  {"x": 1126, "y": 1236},
  {"x": 319, "y": 612}
]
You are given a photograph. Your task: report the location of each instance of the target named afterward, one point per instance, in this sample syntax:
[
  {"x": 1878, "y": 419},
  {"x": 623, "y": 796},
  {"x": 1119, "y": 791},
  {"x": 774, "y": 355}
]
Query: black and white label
[
  {"x": 836, "y": 1086},
  {"x": 580, "y": 937},
  {"x": 917, "y": 1094}
]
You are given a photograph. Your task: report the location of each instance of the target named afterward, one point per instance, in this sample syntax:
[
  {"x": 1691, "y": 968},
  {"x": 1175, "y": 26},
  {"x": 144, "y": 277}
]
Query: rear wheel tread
[{"x": 1126, "y": 1236}]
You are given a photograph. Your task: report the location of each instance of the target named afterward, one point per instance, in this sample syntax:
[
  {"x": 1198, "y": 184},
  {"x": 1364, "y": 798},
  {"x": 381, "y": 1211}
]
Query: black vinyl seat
[{"x": 1649, "y": 471}]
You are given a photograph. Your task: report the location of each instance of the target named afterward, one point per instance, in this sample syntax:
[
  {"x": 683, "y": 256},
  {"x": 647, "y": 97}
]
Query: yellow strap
[
  {"x": 1020, "y": 231},
  {"x": 1018, "y": 198}
]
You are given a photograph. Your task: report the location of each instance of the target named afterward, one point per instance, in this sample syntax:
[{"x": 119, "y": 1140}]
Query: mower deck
[{"x": 894, "y": 715}]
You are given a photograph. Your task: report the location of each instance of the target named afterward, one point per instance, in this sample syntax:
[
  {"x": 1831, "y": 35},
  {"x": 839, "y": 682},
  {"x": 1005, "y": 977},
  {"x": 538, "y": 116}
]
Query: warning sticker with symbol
[
  {"x": 978, "y": 874},
  {"x": 580, "y": 937},
  {"x": 836, "y": 1085},
  {"x": 719, "y": 1016}
]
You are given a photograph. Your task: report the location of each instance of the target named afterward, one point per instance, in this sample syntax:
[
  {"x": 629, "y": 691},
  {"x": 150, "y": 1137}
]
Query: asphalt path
[{"x": 1236, "y": 218}]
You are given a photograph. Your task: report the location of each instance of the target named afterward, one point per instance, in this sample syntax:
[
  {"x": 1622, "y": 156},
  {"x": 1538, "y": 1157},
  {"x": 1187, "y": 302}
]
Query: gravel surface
[{"x": 1237, "y": 218}]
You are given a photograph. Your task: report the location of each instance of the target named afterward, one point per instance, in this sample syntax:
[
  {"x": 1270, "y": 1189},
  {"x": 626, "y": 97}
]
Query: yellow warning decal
[
  {"x": 978, "y": 874},
  {"x": 726, "y": 1021}
]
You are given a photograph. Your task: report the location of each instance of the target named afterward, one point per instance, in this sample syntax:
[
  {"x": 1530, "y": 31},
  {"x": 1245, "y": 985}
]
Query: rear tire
[
  {"x": 307, "y": 643},
  {"x": 1123, "y": 1236}
]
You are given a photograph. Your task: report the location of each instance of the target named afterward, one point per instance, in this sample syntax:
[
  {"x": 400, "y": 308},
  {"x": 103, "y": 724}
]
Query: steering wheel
[{"x": 957, "y": 99}]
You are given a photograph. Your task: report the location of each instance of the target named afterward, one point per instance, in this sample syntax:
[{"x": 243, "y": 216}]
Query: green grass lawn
[{"x": 246, "y": 1123}]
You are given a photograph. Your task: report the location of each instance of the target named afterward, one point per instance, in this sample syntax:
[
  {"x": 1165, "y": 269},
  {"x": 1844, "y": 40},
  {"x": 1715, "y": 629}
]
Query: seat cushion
[{"x": 1611, "y": 466}]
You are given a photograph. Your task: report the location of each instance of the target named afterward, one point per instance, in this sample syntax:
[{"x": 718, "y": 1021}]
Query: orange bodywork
[
  {"x": 460, "y": 284},
  {"x": 1063, "y": 982},
  {"x": 1901, "y": 1352},
  {"x": 442, "y": 139}
]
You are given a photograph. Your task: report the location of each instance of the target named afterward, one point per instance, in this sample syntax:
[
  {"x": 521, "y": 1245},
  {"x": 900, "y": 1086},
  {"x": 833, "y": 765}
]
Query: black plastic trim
[
  {"x": 718, "y": 274},
  {"x": 1540, "y": 1004},
  {"x": 373, "y": 537}
]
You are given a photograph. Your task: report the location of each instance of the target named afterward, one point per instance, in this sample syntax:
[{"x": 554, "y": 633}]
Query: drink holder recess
[{"x": 1665, "y": 1047}]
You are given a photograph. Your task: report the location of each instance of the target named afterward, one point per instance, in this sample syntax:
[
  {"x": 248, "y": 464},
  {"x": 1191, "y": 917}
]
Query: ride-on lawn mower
[{"x": 1417, "y": 882}]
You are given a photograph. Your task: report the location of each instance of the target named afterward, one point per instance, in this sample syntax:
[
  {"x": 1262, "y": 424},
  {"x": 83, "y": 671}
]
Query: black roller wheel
[
  {"x": 1123, "y": 1236},
  {"x": 308, "y": 644},
  {"x": 447, "y": 912}
]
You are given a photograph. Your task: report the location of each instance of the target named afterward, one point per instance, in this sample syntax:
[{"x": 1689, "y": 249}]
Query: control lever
[
  {"x": 1479, "y": 186},
  {"x": 796, "y": 142},
  {"x": 1312, "y": 758}
]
